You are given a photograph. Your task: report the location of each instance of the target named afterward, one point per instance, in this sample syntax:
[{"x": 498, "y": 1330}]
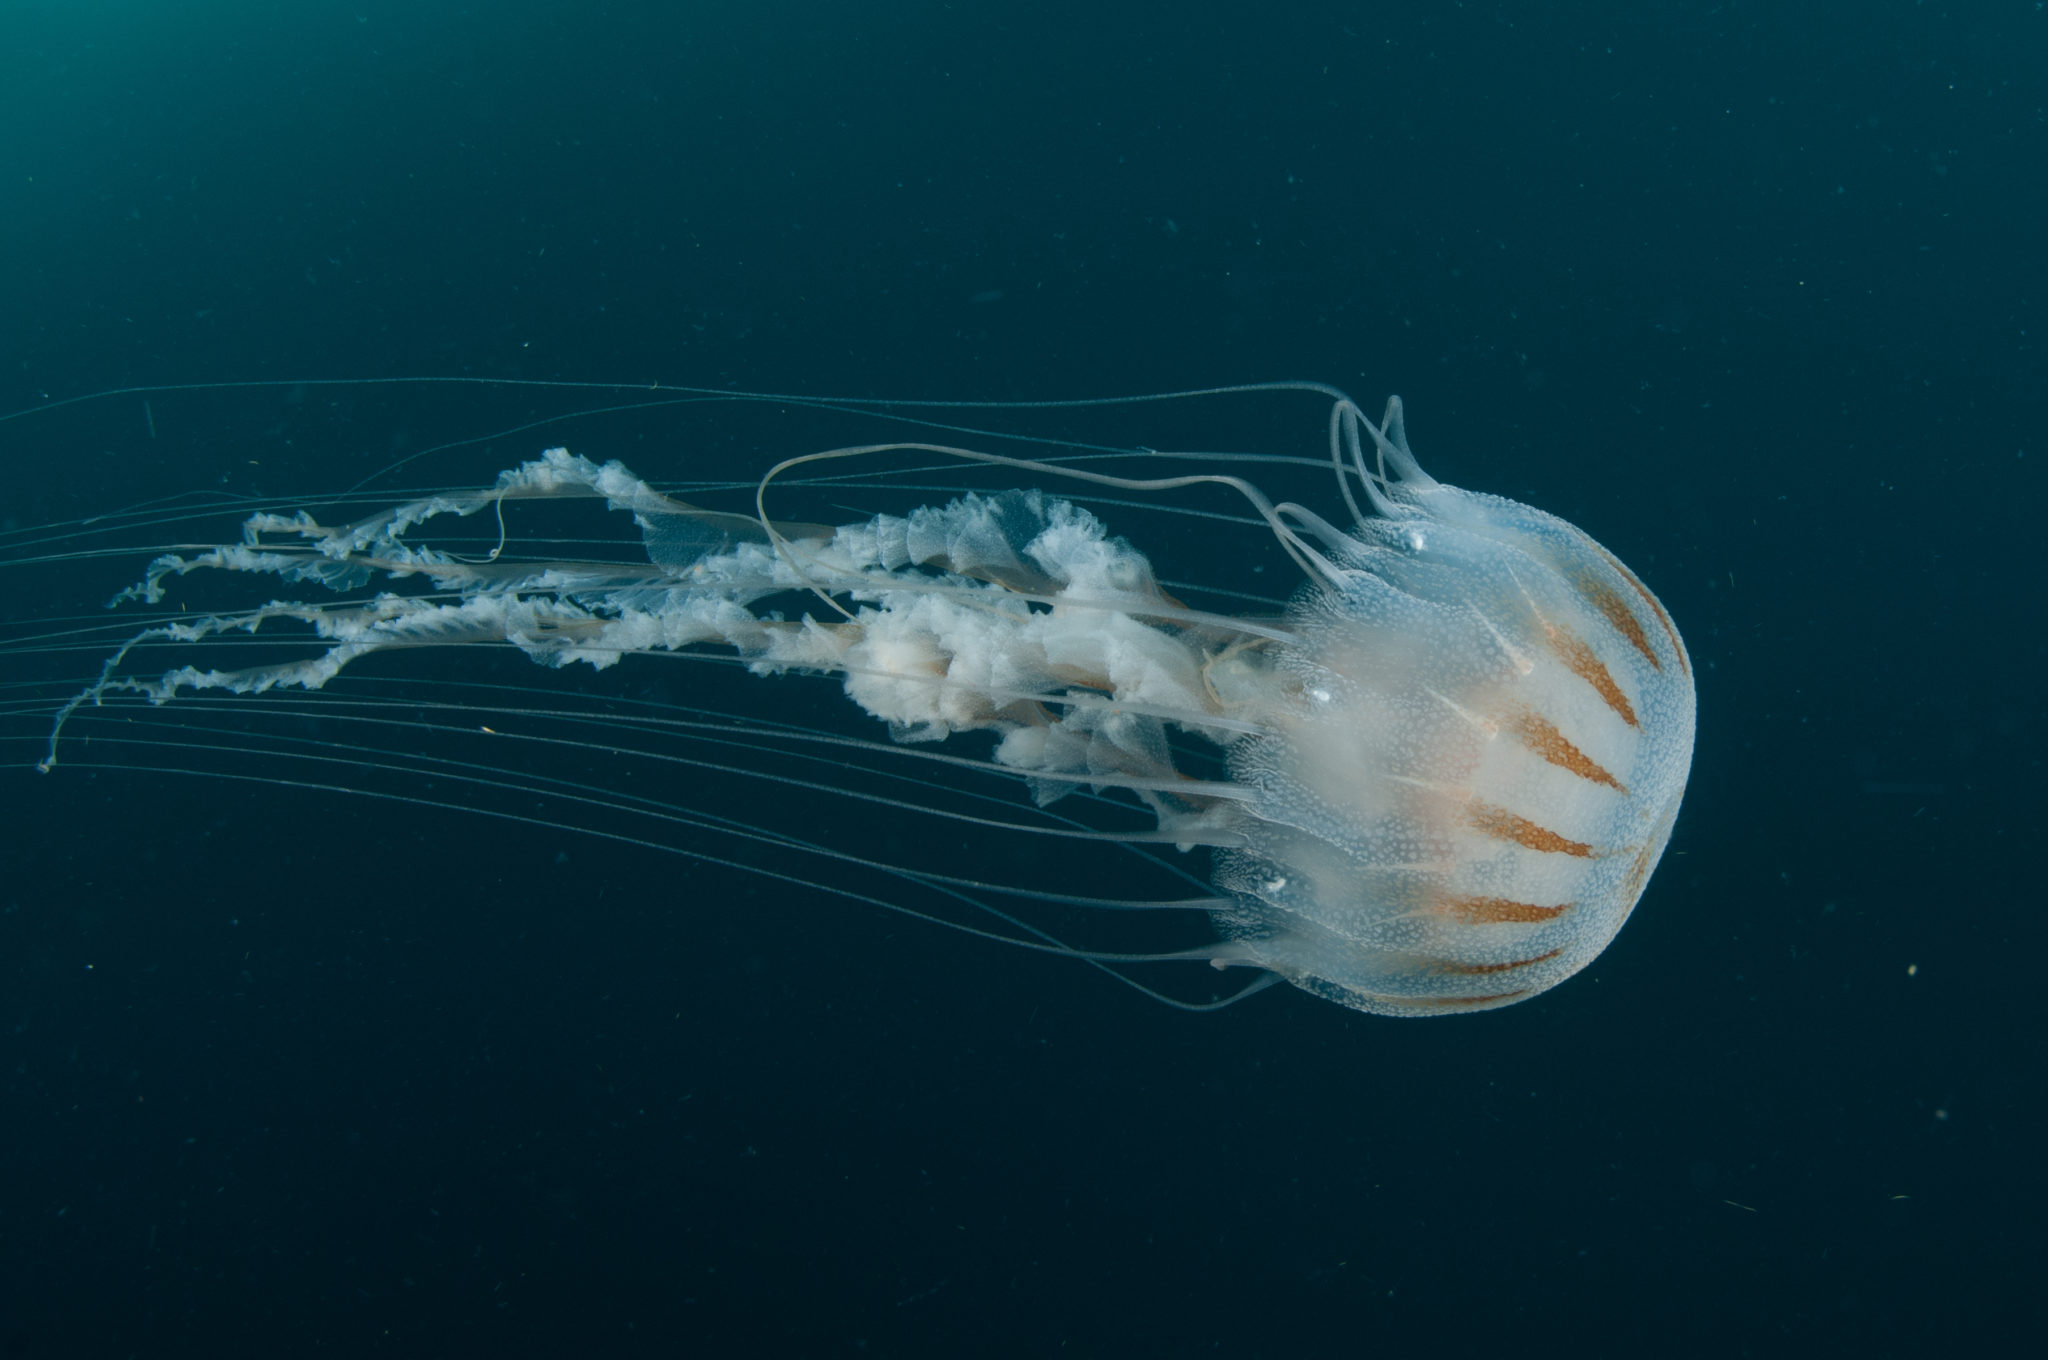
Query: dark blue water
[{"x": 1752, "y": 292}]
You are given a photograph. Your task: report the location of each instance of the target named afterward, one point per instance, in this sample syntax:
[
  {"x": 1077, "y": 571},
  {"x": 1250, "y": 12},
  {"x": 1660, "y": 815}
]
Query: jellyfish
[{"x": 1432, "y": 775}]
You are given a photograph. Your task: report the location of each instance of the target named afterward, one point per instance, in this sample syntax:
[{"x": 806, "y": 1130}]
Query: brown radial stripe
[
  {"x": 1540, "y": 735},
  {"x": 1604, "y": 598},
  {"x": 1419, "y": 1002},
  {"x": 1638, "y": 876},
  {"x": 1503, "y": 825},
  {"x": 1496, "y": 911},
  {"x": 1475, "y": 969},
  {"x": 1578, "y": 658},
  {"x": 1656, "y": 606}
]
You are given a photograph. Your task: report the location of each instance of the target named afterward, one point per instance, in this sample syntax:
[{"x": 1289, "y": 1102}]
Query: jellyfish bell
[{"x": 1435, "y": 778}]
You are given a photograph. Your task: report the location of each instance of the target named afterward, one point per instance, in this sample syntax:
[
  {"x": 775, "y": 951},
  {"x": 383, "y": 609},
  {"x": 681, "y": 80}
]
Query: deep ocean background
[{"x": 1753, "y": 292}]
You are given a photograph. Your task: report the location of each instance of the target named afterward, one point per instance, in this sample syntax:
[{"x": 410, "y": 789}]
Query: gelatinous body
[{"x": 1438, "y": 781}]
